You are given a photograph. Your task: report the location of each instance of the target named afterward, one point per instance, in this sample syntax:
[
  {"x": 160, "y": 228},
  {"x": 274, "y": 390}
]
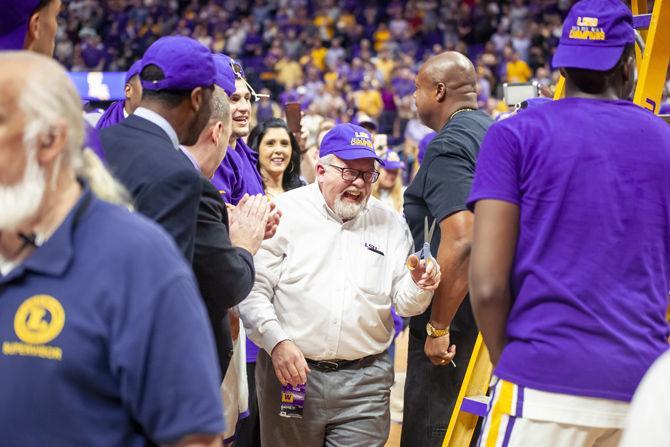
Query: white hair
[{"x": 49, "y": 97}]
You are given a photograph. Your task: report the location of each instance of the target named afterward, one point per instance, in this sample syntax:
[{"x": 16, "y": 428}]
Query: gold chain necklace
[{"x": 464, "y": 109}]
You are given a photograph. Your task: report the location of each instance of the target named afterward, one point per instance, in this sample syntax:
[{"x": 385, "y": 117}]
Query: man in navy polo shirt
[
  {"x": 104, "y": 338},
  {"x": 569, "y": 265}
]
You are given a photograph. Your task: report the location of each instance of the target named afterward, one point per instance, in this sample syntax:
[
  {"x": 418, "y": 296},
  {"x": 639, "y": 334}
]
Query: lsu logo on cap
[
  {"x": 361, "y": 139},
  {"x": 587, "y": 21},
  {"x": 38, "y": 320},
  {"x": 587, "y": 29}
]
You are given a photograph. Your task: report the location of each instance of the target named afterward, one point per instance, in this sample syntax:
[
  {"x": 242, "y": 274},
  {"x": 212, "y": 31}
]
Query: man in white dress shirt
[{"x": 321, "y": 304}]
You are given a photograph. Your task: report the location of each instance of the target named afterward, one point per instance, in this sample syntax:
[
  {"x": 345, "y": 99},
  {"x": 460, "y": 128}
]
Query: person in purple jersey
[
  {"x": 234, "y": 178},
  {"x": 237, "y": 174},
  {"x": 120, "y": 110},
  {"x": 569, "y": 273}
]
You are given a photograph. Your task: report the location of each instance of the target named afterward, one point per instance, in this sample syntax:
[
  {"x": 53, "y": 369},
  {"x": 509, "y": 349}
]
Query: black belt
[{"x": 334, "y": 365}]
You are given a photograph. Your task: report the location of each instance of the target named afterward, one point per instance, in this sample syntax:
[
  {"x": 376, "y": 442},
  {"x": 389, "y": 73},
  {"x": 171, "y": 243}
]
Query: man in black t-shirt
[{"x": 446, "y": 100}]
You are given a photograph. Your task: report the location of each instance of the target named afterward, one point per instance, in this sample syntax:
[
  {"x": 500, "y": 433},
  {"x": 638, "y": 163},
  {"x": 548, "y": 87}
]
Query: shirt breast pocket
[{"x": 370, "y": 272}]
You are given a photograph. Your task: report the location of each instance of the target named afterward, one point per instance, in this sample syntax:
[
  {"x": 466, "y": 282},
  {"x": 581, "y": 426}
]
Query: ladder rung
[
  {"x": 641, "y": 21},
  {"x": 478, "y": 405}
]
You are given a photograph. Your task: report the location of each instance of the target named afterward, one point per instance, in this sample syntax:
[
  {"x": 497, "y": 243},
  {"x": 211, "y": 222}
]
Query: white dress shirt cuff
[
  {"x": 413, "y": 288},
  {"x": 271, "y": 334},
  {"x": 412, "y": 299}
]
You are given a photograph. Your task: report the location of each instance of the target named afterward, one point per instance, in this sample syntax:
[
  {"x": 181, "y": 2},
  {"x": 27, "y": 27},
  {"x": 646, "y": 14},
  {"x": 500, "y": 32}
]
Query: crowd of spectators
[{"x": 335, "y": 57}]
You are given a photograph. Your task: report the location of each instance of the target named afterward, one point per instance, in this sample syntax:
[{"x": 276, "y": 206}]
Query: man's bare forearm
[
  {"x": 494, "y": 245},
  {"x": 454, "y": 285},
  {"x": 491, "y": 316},
  {"x": 453, "y": 256}
]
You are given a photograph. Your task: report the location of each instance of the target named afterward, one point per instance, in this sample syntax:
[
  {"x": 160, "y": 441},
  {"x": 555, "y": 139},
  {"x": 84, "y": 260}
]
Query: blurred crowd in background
[{"x": 337, "y": 58}]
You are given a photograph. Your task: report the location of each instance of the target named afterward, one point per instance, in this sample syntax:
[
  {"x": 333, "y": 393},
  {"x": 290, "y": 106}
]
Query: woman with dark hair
[{"x": 278, "y": 156}]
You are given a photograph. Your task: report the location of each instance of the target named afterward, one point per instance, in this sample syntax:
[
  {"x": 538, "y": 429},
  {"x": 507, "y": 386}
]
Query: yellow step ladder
[{"x": 652, "y": 58}]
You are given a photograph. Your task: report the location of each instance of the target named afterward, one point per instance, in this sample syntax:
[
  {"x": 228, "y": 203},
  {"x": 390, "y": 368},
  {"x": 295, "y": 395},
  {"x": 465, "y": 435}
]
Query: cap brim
[
  {"x": 357, "y": 154},
  {"x": 587, "y": 57},
  {"x": 15, "y": 39},
  {"x": 391, "y": 165}
]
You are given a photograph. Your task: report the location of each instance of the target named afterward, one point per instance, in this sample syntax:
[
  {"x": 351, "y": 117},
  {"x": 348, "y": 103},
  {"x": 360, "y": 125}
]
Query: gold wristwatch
[{"x": 433, "y": 332}]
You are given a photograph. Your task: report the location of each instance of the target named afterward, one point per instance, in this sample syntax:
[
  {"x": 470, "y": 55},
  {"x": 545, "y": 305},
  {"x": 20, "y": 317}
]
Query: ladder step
[
  {"x": 641, "y": 21},
  {"x": 478, "y": 405}
]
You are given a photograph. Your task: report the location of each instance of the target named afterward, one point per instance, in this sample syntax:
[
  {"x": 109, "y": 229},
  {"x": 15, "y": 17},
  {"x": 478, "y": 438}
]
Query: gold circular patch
[{"x": 39, "y": 319}]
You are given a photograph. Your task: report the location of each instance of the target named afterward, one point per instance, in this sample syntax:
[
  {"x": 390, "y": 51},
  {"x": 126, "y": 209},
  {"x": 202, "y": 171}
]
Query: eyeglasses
[
  {"x": 350, "y": 175},
  {"x": 237, "y": 70}
]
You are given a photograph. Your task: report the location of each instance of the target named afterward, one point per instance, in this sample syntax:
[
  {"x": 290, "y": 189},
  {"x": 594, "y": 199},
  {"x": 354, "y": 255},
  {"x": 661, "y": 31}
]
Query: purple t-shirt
[
  {"x": 237, "y": 175},
  {"x": 590, "y": 277}
]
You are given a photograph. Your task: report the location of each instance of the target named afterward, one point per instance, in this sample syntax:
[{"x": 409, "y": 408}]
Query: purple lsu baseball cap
[
  {"x": 225, "y": 76},
  {"x": 392, "y": 160},
  {"x": 595, "y": 32},
  {"x": 185, "y": 62},
  {"x": 14, "y": 22},
  {"x": 348, "y": 142}
]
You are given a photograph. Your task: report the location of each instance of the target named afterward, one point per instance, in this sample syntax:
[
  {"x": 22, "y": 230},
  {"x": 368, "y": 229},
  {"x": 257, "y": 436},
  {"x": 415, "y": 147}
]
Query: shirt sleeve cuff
[
  {"x": 271, "y": 335},
  {"x": 412, "y": 287}
]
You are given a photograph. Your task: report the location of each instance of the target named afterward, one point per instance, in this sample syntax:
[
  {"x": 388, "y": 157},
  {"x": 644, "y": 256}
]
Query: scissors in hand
[{"x": 425, "y": 254}]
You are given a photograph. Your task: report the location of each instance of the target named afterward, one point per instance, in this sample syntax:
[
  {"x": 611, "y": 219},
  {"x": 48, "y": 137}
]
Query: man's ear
[
  {"x": 33, "y": 29},
  {"x": 629, "y": 80},
  {"x": 197, "y": 98},
  {"x": 51, "y": 143},
  {"x": 216, "y": 131},
  {"x": 440, "y": 91}
]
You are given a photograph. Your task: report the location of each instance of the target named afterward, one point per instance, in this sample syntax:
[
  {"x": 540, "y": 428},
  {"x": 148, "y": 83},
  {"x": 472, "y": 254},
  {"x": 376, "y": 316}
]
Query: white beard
[
  {"x": 347, "y": 210},
  {"x": 21, "y": 201}
]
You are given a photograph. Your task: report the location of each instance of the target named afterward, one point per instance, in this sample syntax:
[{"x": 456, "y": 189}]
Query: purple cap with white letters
[
  {"x": 348, "y": 142},
  {"x": 392, "y": 160},
  {"x": 595, "y": 32}
]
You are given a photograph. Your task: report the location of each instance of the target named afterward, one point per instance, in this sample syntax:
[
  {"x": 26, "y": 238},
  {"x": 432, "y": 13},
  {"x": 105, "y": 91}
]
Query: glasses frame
[{"x": 361, "y": 174}]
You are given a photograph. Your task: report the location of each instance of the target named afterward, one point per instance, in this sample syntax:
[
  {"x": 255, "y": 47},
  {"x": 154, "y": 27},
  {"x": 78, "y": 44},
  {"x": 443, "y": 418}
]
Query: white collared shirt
[
  {"x": 329, "y": 285},
  {"x": 190, "y": 157},
  {"x": 161, "y": 122}
]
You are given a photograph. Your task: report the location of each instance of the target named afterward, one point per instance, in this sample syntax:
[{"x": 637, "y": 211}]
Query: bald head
[
  {"x": 446, "y": 83},
  {"x": 454, "y": 70}
]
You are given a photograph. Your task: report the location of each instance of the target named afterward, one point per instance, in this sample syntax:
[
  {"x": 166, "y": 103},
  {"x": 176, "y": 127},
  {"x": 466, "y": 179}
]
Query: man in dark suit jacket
[
  {"x": 177, "y": 76},
  {"x": 223, "y": 259}
]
